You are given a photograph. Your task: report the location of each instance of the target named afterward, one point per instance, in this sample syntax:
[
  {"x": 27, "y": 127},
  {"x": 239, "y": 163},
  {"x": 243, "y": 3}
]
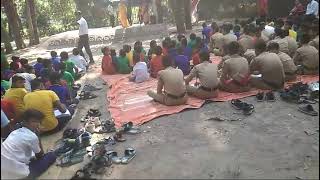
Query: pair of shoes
[
  {"x": 246, "y": 108},
  {"x": 108, "y": 127},
  {"x": 84, "y": 95},
  {"x": 308, "y": 109},
  {"x": 94, "y": 112},
  {"x": 269, "y": 96},
  {"x": 129, "y": 154},
  {"x": 128, "y": 128}
]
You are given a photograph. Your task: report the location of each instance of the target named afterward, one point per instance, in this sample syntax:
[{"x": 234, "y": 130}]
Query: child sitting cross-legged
[
  {"x": 140, "y": 70},
  {"x": 107, "y": 65},
  {"x": 123, "y": 63}
]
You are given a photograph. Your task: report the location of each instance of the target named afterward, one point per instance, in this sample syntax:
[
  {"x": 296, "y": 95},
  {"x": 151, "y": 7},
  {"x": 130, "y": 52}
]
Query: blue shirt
[
  {"x": 61, "y": 91},
  {"x": 312, "y": 8},
  {"x": 188, "y": 52},
  {"x": 182, "y": 62},
  {"x": 172, "y": 53},
  {"x": 37, "y": 68},
  {"x": 206, "y": 32},
  {"x": 56, "y": 63}
]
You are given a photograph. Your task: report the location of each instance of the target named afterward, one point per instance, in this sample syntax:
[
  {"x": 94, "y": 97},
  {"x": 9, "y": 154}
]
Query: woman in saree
[{"x": 123, "y": 14}]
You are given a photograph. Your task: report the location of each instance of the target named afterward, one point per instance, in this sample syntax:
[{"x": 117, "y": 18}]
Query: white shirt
[
  {"x": 83, "y": 28},
  {"x": 80, "y": 62},
  {"x": 268, "y": 31},
  {"x": 16, "y": 152},
  {"x": 312, "y": 8},
  {"x": 28, "y": 78},
  {"x": 140, "y": 72},
  {"x": 110, "y": 10}
]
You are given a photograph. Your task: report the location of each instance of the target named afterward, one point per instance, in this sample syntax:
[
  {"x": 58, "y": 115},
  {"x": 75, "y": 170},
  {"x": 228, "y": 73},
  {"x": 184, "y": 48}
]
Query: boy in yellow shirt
[{"x": 16, "y": 94}]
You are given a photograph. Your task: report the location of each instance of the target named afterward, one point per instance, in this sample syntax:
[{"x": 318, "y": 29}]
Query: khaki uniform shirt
[
  {"x": 270, "y": 66},
  {"x": 207, "y": 73},
  {"x": 283, "y": 44},
  {"x": 246, "y": 42},
  {"x": 172, "y": 80},
  {"x": 292, "y": 45},
  {"x": 308, "y": 56},
  {"x": 216, "y": 40},
  {"x": 315, "y": 43},
  {"x": 236, "y": 68},
  {"x": 228, "y": 38},
  {"x": 287, "y": 62},
  {"x": 250, "y": 54}
]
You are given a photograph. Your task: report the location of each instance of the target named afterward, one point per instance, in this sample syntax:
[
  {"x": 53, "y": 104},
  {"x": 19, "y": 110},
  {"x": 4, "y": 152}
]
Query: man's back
[
  {"x": 228, "y": 38},
  {"x": 287, "y": 62},
  {"x": 207, "y": 74},
  {"x": 283, "y": 44},
  {"x": 309, "y": 56},
  {"x": 173, "y": 81},
  {"x": 43, "y": 101},
  {"x": 246, "y": 42},
  {"x": 270, "y": 66}
]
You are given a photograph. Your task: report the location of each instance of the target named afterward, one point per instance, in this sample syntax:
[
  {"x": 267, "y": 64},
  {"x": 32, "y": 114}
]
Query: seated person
[
  {"x": 61, "y": 91},
  {"x": 268, "y": 68},
  {"x": 208, "y": 77},
  {"x": 28, "y": 74},
  {"x": 55, "y": 60},
  {"x": 79, "y": 61},
  {"x": 66, "y": 76},
  {"x": 46, "y": 101},
  {"x": 187, "y": 50},
  {"x": 152, "y": 50},
  {"x": 24, "y": 63},
  {"x": 140, "y": 70},
  {"x": 171, "y": 89},
  {"x": 38, "y": 66},
  {"x": 182, "y": 62},
  {"x": 281, "y": 40},
  {"x": 216, "y": 40},
  {"x": 235, "y": 72},
  {"x": 249, "y": 55},
  {"x": 225, "y": 56},
  {"x": 228, "y": 36},
  {"x": 288, "y": 65},
  {"x": 165, "y": 47},
  {"x": 123, "y": 63},
  {"x": 70, "y": 66},
  {"x": 15, "y": 64},
  {"x": 46, "y": 70},
  {"x": 114, "y": 57},
  {"x": 129, "y": 54},
  {"x": 315, "y": 41},
  {"x": 16, "y": 94},
  {"x": 307, "y": 57},
  {"x": 172, "y": 52},
  {"x": 192, "y": 42},
  {"x": 18, "y": 149},
  {"x": 292, "y": 43},
  {"x": 107, "y": 65},
  {"x": 246, "y": 40},
  {"x": 156, "y": 62},
  {"x": 206, "y": 33}
]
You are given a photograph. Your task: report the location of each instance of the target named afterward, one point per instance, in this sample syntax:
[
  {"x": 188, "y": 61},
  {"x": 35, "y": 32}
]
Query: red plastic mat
[{"x": 129, "y": 101}]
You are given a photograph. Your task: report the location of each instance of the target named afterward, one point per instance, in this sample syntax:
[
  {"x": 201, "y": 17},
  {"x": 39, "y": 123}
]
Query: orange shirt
[
  {"x": 107, "y": 65},
  {"x": 156, "y": 66}
]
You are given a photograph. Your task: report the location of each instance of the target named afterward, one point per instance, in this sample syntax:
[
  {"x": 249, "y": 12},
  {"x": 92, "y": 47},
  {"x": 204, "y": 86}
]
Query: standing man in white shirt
[
  {"x": 83, "y": 36},
  {"x": 20, "y": 147},
  {"x": 312, "y": 8}
]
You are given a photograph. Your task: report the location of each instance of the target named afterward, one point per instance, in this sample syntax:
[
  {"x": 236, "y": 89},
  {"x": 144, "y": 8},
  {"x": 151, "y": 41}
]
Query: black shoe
[
  {"x": 270, "y": 97},
  {"x": 260, "y": 96}
]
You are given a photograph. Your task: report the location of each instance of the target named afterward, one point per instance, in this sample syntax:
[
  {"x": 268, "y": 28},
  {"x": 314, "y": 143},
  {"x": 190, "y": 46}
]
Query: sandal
[
  {"x": 94, "y": 113},
  {"x": 114, "y": 157},
  {"x": 260, "y": 96},
  {"x": 308, "y": 109},
  {"x": 270, "y": 97},
  {"x": 129, "y": 129},
  {"x": 237, "y": 104},
  {"x": 129, "y": 154},
  {"x": 118, "y": 137},
  {"x": 248, "y": 109}
]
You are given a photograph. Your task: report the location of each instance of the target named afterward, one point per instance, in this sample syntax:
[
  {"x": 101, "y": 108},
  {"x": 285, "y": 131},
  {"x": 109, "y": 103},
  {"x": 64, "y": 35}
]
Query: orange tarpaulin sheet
[{"x": 129, "y": 101}]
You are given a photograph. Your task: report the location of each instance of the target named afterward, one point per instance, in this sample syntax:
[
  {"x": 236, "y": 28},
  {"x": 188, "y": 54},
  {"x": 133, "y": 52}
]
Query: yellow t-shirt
[
  {"x": 16, "y": 95},
  {"x": 293, "y": 34},
  {"x": 42, "y": 100},
  {"x": 130, "y": 57}
]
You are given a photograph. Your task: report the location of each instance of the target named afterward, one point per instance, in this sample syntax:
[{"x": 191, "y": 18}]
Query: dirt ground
[{"x": 277, "y": 141}]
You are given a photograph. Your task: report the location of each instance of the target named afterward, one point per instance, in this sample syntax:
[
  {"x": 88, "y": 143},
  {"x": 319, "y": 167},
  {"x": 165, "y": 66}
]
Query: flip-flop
[
  {"x": 260, "y": 96},
  {"x": 248, "y": 109},
  {"x": 308, "y": 109},
  {"x": 114, "y": 157},
  {"x": 270, "y": 97},
  {"x": 129, "y": 154},
  {"x": 128, "y": 128},
  {"x": 94, "y": 113},
  {"x": 237, "y": 104}
]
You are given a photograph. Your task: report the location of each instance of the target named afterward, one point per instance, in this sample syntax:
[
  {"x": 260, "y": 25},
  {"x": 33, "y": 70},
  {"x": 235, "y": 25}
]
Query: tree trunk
[
  {"x": 159, "y": 11},
  {"x": 187, "y": 13},
  {"x": 13, "y": 21},
  {"x": 30, "y": 25},
  {"x": 6, "y": 39},
  {"x": 34, "y": 21},
  {"x": 177, "y": 8}
]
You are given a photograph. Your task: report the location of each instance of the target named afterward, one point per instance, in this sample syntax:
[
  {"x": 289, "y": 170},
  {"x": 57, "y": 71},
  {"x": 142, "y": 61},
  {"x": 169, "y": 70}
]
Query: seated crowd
[{"x": 261, "y": 54}]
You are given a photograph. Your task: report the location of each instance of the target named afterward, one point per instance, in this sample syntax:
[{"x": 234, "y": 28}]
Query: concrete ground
[{"x": 277, "y": 141}]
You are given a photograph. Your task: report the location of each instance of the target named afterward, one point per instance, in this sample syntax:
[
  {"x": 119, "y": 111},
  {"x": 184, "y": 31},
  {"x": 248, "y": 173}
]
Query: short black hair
[
  {"x": 215, "y": 26},
  {"x": 153, "y": 43},
  {"x": 305, "y": 38},
  {"x": 234, "y": 47},
  {"x": 32, "y": 114},
  {"x": 46, "y": 63},
  {"x": 62, "y": 66},
  {"x": 137, "y": 49},
  {"x": 64, "y": 55},
  {"x": 273, "y": 46},
  {"x": 165, "y": 43},
  {"x": 166, "y": 61},
  {"x": 54, "y": 77},
  {"x": 136, "y": 58},
  {"x": 205, "y": 56},
  {"x": 35, "y": 84},
  {"x": 113, "y": 52},
  {"x": 24, "y": 61},
  {"x": 17, "y": 78},
  {"x": 193, "y": 36},
  {"x": 122, "y": 53},
  {"x": 75, "y": 51},
  {"x": 180, "y": 37},
  {"x": 15, "y": 58},
  {"x": 279, "y": 32},
  {"x": 39, "y": 60},
  {"x": 158, "y": 50},
  {"x": 127, "y": 48},
  {"x": 236, "y": 28},
  {"x": 173, "y": 44},
  {"x": 53, "y": 53},
  {"x": 28, "y": 68},
  {"x": 204, "y": 24},
  {"x": 184, "y": 42},
  {"x": 260, "y": 45}
]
